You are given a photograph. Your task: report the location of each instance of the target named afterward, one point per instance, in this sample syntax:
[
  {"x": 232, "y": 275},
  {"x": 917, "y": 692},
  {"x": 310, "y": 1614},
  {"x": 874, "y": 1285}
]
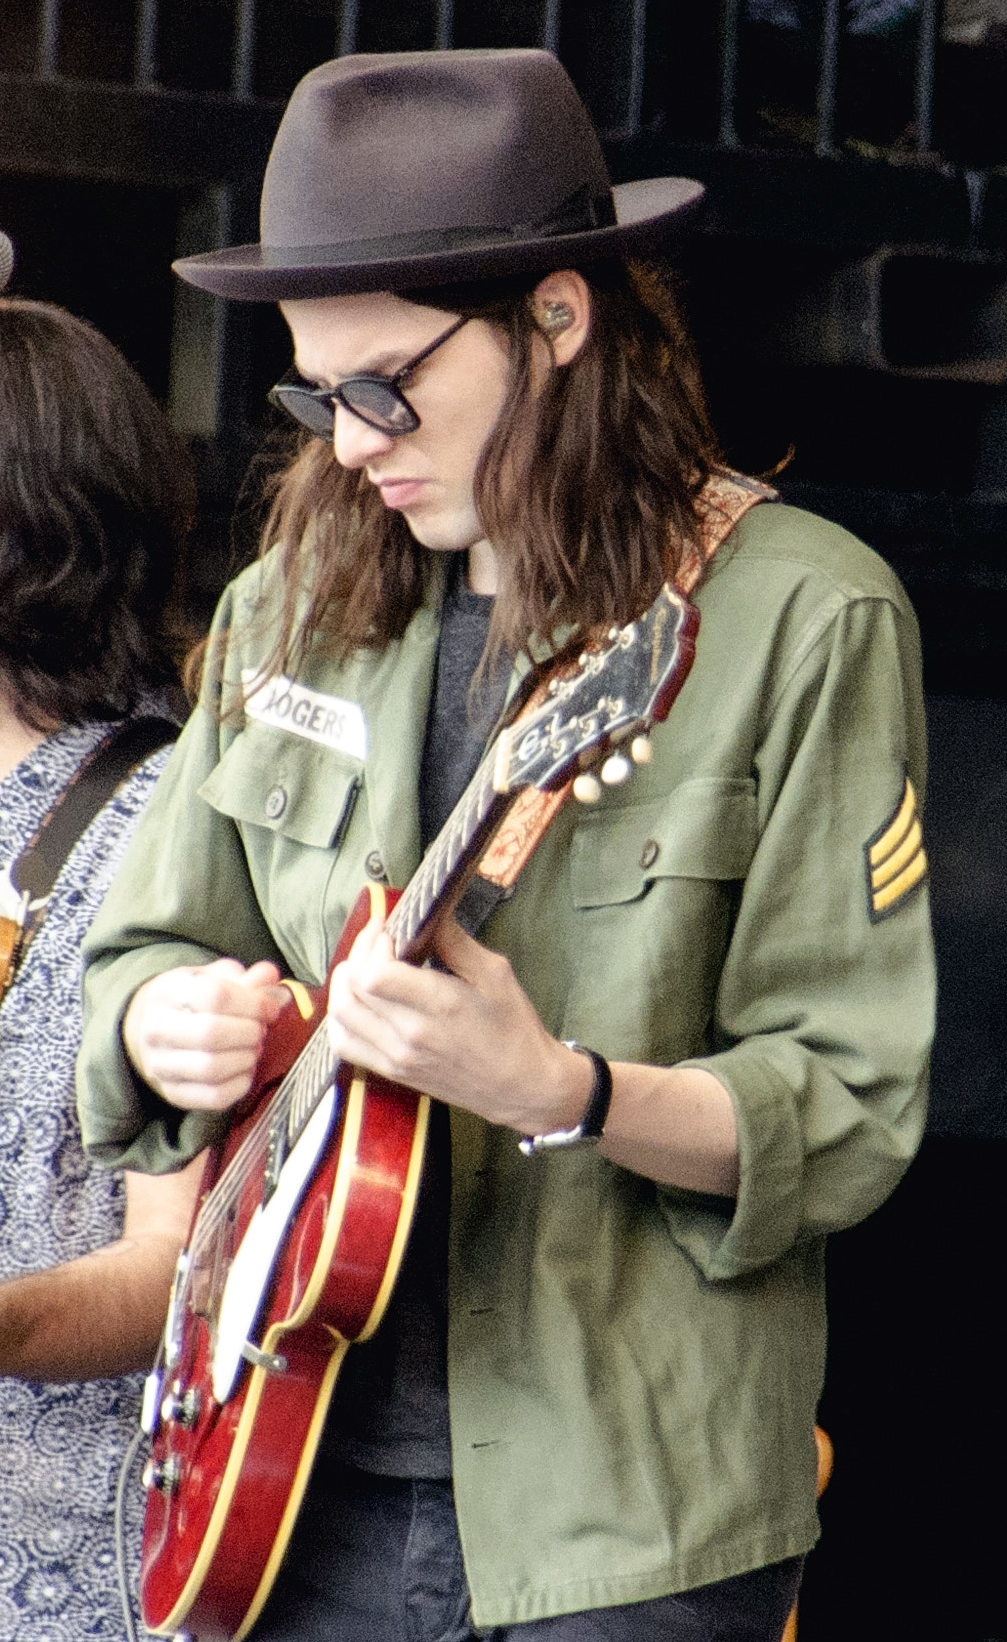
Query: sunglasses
[{"x": 376, "y": 400}]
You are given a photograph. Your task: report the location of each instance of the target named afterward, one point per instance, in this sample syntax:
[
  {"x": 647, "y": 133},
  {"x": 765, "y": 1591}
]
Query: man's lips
[{"x": 399, "y": 492}]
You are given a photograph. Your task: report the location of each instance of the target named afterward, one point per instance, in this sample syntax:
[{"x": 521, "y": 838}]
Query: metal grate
[{"x": 634, "y": 49}]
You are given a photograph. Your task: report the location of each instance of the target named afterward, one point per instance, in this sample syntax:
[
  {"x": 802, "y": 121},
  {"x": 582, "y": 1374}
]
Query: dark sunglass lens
[
  {"x": 313, "y": 414},
  {"x": 379, "y": 405}
]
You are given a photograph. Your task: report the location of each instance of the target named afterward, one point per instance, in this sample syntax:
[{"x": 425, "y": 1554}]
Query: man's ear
[{"x": 561, "y": 305}]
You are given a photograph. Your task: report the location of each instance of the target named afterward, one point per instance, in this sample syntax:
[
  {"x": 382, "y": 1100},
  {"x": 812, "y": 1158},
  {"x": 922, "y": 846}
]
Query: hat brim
[{"x": 649, "y": 215}]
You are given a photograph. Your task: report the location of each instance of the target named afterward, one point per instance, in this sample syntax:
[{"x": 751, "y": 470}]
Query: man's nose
[{"x": 355, "y": 442}]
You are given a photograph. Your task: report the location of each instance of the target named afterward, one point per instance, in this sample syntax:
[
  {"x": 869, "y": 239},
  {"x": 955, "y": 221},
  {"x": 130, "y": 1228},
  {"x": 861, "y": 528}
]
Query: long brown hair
[
  {"x": 586, "y": 487},
  {"x": 96, "y": 500}
]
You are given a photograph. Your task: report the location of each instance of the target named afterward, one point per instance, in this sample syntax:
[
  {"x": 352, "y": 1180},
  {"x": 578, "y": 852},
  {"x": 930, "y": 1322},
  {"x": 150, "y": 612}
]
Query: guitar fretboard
[
  {"x": 431, "y": 891},
  {"x": 435, "y": 884}
]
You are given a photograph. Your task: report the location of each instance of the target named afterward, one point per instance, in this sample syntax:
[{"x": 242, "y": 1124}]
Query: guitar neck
[
  {"x": 435, "y": 887},
  {"x": 430, "y": 895}
]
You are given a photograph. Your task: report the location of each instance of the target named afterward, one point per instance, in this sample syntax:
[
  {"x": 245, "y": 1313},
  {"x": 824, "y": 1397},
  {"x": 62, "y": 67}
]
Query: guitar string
[
  {"x": 227, "y": 1191},
  {"x": 404, "y": 922},
  {"x": 303, "y": 1079},
  {"x": 308, "y": 1080},
  {"x": 251, "y": 1160},
  {"x": 303, "y": 1086},
  {"x": 427, "y": 884}
]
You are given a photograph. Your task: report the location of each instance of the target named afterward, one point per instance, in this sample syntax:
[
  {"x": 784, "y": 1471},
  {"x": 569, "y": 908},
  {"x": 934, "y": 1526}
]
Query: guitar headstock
[{"x": 617, "y": 691}]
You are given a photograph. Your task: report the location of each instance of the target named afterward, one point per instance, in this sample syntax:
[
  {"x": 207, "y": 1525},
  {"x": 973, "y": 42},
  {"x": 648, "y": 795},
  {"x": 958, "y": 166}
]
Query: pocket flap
[
  {"x": 268, "y": 778},
  {"x": 707, "y": 828}
]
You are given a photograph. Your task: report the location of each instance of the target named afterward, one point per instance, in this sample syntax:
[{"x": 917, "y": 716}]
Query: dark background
[{"x": 848, "y": 289}]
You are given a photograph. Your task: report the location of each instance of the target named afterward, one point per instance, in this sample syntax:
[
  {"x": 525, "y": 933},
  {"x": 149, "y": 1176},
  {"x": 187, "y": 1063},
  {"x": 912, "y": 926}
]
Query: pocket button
[
  {"x": 276, "y": 803},
  {"x": 649, "y": 854}
]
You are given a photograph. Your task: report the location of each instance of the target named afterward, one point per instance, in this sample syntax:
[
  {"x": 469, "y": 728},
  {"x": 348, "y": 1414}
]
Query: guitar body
[{"x": 228, "y": 1472}]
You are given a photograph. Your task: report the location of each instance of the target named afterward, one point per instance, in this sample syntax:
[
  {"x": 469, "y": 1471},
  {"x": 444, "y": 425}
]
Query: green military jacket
[{"x": 633, "y": 1370}]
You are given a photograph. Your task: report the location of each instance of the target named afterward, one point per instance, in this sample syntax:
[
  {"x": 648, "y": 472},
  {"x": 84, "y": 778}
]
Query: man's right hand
[{"x": 195, "y": 1034}]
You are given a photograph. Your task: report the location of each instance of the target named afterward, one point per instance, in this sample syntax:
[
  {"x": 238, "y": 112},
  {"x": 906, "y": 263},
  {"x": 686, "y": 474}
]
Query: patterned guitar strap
[{"x": 725, "y": 498}]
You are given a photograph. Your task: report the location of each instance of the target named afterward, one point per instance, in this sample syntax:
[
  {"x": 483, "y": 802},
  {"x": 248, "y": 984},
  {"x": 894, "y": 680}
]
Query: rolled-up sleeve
[
  {"x": 825, "y": 1005},
  {"x": 182, "y": 896}
]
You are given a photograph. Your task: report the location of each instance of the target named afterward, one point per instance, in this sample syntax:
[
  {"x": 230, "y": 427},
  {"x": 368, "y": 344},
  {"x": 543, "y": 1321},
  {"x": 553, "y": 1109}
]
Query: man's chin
[{"x": 439, "y": 541}]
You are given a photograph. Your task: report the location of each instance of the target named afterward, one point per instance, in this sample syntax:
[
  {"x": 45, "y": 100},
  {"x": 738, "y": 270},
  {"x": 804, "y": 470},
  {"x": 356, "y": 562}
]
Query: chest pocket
[
  {"x": 268, "y": 778},
  {"x": 293, "y": 802},
  {"x": 704, "y": 829},
  {"x": 654, "y": 890}
]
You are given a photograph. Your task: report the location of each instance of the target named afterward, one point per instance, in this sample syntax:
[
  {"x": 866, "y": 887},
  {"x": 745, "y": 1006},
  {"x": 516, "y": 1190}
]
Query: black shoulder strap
[{"x": 38, "y": 866}]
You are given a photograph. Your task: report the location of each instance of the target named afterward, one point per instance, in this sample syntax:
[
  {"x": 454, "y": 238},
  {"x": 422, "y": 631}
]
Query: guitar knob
[
  {"x": 586, "y": 789},
  {"x": 184, "y": 1409},
  {"x": 616, "y": 770},
  {"x": 164, "y": 1475},
  {"x": 641, "y": 750}
]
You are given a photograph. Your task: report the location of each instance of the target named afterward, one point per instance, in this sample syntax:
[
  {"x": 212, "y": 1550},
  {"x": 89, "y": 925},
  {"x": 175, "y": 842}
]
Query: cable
[{"x": 122, "y": 1573}]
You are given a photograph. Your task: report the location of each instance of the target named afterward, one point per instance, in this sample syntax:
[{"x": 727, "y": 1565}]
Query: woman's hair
[
  {"x": 586, "y": 487},
  {"x": 96, "y": 499}
]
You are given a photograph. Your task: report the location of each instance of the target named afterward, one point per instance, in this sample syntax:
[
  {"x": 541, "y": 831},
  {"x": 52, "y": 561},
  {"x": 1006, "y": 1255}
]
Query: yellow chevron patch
[{"x": 895, "y": 858}]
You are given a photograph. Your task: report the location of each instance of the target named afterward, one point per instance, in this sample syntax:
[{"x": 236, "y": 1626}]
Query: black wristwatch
[{"x": 591, "y": 1127}]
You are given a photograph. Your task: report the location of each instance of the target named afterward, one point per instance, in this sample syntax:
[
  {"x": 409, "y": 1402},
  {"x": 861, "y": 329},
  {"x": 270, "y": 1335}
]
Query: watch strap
[{"x": 591, "y": 1127}]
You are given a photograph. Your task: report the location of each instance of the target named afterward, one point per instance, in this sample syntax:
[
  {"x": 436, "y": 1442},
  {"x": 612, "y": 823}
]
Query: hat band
[{"x": 578, "y": 213}]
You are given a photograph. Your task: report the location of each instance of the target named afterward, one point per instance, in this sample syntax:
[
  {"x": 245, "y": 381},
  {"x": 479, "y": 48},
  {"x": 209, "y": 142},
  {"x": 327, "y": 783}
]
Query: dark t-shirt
[{"x": 390, "y": 1412}]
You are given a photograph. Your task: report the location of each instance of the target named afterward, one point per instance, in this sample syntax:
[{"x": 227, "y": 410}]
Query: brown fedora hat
[{"x": 418, "y": 168}]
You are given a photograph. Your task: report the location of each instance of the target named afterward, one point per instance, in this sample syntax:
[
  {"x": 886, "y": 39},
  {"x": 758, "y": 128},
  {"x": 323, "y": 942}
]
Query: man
[{"x": 604, "y": 1357}]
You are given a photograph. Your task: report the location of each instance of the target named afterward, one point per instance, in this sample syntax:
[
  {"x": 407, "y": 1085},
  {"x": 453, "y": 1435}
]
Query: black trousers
[{"x": 377, "y": 1559}]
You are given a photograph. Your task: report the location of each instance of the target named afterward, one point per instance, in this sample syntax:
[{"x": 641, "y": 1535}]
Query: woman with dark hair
[
  {"x": 589, "y": 1408},
  {"x": 95, "y": 503}
]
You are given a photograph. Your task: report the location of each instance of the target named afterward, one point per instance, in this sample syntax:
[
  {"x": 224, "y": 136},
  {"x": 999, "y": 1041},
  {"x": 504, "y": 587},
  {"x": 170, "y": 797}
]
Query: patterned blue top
[{"x": 60, "y": 1445}]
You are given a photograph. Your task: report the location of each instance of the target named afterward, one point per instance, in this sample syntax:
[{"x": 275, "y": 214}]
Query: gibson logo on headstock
[{"x": 561, "y": 738}]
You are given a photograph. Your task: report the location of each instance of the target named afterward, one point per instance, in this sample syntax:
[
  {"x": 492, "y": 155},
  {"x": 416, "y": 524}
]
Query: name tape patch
[
  {"x": 329, "y": 720},
  {"x": 895, "y": 858}
]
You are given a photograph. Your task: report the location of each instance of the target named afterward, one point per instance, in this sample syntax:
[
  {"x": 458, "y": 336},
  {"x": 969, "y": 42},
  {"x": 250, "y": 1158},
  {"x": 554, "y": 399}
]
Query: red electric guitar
[{"x": 304, "y": 1214}]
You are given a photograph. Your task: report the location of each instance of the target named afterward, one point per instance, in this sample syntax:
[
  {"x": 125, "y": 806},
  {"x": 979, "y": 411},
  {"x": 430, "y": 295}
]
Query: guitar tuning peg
[
  {"x": 641, "y": 750},
  {"x": 586, "y": 788},
  {"x": 616, "y": 770}
]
